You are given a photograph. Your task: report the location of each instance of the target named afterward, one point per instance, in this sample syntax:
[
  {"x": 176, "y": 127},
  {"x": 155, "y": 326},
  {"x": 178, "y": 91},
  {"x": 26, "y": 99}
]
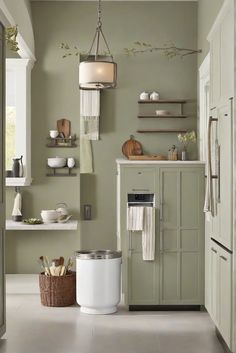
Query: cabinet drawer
[{"x": 139, "y": 179}]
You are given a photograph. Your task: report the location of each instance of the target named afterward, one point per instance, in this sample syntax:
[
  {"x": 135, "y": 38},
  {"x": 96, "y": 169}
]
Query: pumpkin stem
[{"x": 131, "y": 137}]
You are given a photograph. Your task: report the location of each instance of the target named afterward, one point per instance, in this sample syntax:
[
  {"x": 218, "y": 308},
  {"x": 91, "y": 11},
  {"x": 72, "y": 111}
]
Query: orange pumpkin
[{"x": 132, "y": 147}]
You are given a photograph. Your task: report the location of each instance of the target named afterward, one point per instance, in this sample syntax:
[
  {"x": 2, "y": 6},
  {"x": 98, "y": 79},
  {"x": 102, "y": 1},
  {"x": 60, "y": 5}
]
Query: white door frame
[{"x": 204, "y": 85}]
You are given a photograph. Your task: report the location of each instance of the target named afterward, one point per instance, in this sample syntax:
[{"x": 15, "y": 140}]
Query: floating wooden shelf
[
  {"x": 56, "y": 174},
  {"x": 141, "y": 116},
  {"x": 59, "y": 146},
  {"x": 163, "y": 101},
  {"x": 162, "y": 131},
  {"x": 62, "y": 142}
]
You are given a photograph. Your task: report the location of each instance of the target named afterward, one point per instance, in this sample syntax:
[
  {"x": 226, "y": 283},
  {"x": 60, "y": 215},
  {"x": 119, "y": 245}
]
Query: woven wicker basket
[{"x": 57, "y": 290}]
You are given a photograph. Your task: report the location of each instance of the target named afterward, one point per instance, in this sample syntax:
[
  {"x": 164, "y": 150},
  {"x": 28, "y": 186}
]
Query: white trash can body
[{"x": 98, "y": 277}]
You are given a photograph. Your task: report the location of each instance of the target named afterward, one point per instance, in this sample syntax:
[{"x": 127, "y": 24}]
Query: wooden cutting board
[
  {"x": 148, "y": 157},
  {"x": 63, "y": 125}
]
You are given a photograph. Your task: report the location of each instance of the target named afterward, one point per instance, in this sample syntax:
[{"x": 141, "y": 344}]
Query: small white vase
[
  {"x": 70, "y": 162},
  {"x": 184, "y": 155},
  {"x": 154, "y": 96}
]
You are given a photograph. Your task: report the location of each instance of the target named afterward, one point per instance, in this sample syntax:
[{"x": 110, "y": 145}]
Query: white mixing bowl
[
  {"x": 57, "y": 162},
  {"x": 49, "y": 216}
]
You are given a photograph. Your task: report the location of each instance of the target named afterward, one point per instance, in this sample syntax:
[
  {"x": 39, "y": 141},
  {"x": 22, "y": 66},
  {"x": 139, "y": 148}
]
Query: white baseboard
[{"x": 22, "y": 284}]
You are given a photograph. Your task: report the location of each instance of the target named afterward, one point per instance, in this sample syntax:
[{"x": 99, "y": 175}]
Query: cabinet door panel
[
  {"x": 169, "y": 277},
  {"x": 189, "y": 203},
  {"x": 225, "y": 295},
  {"x": 139, "y": 179},
  {"x": 189, "y": 240},
  {"x": 170, "y": 198},
  {"x": 169, "y": 239},
  {"x": 142, "y": 280},
  {"x": 214, "y": 290},
  {"x": 189, "y": 277}
]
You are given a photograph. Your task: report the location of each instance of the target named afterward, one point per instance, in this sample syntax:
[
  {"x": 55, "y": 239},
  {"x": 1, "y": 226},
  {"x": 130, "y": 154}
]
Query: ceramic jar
[
  {"x": 70, "y": 162},
  {"x": 154, "y": 96},
  {"x": 144, "y": 96}
]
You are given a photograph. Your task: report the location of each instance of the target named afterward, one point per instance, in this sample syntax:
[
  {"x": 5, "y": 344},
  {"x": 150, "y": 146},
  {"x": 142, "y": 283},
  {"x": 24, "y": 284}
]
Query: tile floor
[{"x": 32, "y": 328}]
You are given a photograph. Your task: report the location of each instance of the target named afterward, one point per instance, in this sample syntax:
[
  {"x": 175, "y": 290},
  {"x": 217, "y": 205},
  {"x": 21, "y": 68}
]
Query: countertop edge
[{"x": 127, "y": 161}]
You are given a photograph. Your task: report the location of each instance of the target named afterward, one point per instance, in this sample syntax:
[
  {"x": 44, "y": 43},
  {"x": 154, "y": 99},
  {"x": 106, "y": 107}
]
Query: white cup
[
  {"x": 144, "y": 96},
  {"x": 53, "y": 133},
  {"x": 70, "y": 162}
]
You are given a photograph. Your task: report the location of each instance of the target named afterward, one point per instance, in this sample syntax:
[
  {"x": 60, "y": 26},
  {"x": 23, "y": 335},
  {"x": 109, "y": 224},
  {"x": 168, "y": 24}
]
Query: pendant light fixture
[{"x": 98, "y": 71}]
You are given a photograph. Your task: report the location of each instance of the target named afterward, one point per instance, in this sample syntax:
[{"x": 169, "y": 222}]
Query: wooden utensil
[
  {"x": 44, "y": 264},
  {"x": 63, "y": 126}
]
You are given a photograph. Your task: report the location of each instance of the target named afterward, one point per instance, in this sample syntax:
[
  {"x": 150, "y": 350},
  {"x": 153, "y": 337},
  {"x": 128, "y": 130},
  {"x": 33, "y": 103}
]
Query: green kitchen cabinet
[
  {"x": 181, "y": 235},
  {"x": 175, "y": 277}
]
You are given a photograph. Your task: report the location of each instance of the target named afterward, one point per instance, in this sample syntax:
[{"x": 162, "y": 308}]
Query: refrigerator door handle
[{"x": 211, "y": 120}]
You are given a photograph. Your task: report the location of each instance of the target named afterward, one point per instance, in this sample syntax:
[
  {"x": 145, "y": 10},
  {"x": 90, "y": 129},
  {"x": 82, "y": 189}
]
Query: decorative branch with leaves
[
  {"x": 170, "y": 50},
  {"x": 68, "y": 51},
  {"x": 75, "y": 51},
  {"x": 11, "y": 38}
]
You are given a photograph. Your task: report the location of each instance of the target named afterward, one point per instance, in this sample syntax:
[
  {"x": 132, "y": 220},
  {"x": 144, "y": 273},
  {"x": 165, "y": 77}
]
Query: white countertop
[
  {"x": 127, "y": 161},
  {"x": 70, "y": 225}
]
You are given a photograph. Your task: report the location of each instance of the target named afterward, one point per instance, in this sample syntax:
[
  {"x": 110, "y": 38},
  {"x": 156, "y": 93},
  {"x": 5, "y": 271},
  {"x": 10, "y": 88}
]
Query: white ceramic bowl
[
  {"x": 49, "y": 216},
  {"x": 162, "y": 112},
  {"x": 57, "y": 162},
  {"x": 53, "y": 133}
]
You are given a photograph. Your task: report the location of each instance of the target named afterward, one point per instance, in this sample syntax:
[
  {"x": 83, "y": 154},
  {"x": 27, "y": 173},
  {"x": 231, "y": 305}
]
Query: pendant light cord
[{"x": 98, "y": 33}]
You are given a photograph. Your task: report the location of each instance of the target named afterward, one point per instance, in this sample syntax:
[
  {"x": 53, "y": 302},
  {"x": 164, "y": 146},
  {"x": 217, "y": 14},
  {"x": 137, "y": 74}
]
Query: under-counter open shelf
[
  {"x": 163, "y": 101},
  {"x": 70, "y": 225},
  {"x": 162, "y": 131},
  {"x": 167, "y": 116}
]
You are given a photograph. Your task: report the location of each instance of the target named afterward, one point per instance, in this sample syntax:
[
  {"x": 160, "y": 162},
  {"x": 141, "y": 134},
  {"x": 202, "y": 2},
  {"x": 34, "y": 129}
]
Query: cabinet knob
[
  {"x": 223, "y": 257},
  {"x": 214, "y": 250}
]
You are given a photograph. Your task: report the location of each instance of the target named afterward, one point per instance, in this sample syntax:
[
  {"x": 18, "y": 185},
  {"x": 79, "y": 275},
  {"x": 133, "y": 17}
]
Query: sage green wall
[
  {"x": 55, "y": 94},
  {"x": 207, "y": 12}
]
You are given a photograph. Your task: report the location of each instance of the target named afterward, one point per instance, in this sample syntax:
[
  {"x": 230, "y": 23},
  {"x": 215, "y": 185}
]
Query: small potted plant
[{"x": 186, "y": 139}]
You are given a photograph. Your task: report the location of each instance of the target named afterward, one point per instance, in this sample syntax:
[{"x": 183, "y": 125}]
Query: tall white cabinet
[{"x": 220, "y": 238}]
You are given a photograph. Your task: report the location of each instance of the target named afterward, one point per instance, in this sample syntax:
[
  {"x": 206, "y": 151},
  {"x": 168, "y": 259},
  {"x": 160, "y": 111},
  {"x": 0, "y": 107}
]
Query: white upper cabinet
[
  {"x": 227, "y": 54},
  {"x": 215, "y": 69},
  {"x": 221, "y": 38}
]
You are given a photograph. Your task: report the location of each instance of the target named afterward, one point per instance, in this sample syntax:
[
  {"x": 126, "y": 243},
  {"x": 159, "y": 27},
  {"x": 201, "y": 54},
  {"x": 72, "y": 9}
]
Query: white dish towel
[
  {"x": 148, "y": 235},
  {"x": 89, "y": 113},
  {"x": 135, "y": 218},
  {"x": 141, "y": 218}
]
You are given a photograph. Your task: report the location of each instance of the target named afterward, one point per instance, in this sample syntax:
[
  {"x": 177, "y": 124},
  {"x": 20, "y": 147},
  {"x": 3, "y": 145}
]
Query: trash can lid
[{"x": 98, "y": 254}]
